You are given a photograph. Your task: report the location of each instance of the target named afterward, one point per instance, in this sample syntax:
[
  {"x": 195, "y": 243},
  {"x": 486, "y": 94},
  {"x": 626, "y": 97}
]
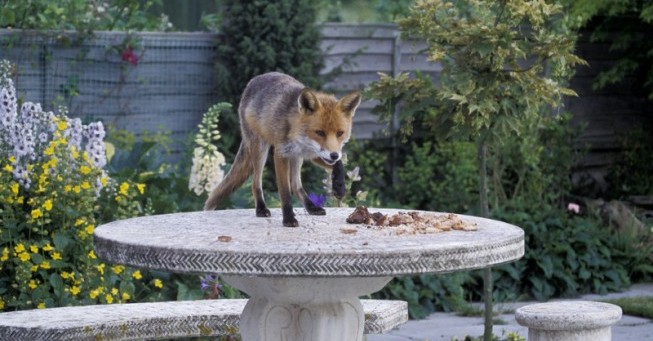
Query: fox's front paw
[
  {"x": 263, "y": 212},
  {"x": 289, "y": 216},
  {"x": 316, "y": 210},
  {"x": 338, "y": 180},
  {"x": 290, "y": 222}
]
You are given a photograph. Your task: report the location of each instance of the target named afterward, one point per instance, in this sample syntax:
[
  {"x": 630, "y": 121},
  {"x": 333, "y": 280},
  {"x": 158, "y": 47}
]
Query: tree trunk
[{"x": 485, "y": 213}]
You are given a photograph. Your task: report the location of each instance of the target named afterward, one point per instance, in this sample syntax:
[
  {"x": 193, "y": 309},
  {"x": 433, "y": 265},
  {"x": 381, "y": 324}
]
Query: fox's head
[{"x": 327, "y": 121}]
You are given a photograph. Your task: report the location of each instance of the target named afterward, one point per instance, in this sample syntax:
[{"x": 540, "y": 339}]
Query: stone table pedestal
[{"x": 304, "y": 282}]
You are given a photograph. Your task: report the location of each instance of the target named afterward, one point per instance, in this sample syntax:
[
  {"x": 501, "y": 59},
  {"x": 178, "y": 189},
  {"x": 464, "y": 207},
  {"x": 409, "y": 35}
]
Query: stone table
[{"x": 303, "y": 282}]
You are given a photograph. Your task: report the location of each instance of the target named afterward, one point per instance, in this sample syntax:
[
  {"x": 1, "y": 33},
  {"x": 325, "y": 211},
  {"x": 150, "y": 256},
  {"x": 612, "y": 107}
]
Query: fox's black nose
[{"x": 334, "y": 156}]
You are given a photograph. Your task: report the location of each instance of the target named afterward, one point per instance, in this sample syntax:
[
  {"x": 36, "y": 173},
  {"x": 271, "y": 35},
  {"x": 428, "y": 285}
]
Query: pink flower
[
  {"x": 573, "y": 207},
  {"x": 129, "y": 56}
]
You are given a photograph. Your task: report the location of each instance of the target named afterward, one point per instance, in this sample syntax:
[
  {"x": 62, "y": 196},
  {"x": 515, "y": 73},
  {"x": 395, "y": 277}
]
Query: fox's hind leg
[
  {"x": 282, "y": 173},
  {"x": 298, "y": 189},
  {"x": 259, "y": 154}
]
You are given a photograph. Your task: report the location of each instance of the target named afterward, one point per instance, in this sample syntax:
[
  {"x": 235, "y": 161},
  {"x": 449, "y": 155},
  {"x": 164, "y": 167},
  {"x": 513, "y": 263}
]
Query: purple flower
[{"x": 317, "y": 199}]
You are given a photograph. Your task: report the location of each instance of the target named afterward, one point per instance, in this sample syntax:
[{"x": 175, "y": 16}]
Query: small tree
[{"x": 503, "y": 63}]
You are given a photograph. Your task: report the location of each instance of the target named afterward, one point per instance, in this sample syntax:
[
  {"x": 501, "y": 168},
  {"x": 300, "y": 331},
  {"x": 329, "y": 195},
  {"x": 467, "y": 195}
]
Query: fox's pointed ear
[
  {"x": 350, "y": 102},
  {"x": 308, "y": 102}
]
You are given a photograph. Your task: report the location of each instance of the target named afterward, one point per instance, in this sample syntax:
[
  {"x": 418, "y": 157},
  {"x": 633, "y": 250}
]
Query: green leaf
[
  {"x": 57, "y": 284},
  {"x": 61, "y": 241}
]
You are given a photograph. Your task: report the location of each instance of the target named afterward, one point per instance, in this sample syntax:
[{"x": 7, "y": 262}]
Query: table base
[{"x": 304, "y": 309}]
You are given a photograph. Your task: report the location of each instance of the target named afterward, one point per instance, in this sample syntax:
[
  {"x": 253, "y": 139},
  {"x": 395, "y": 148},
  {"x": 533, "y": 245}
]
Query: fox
[{"x": 278, "y": 111}]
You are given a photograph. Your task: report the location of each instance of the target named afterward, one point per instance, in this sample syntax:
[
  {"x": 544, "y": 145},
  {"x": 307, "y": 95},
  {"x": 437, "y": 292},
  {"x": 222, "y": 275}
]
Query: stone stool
[{"x": 569, "y": 320}]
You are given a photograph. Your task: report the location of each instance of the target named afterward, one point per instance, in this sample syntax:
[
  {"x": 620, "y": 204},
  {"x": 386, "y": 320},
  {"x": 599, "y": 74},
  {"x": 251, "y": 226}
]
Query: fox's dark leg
[
  {"x": 259, "y": 156},
  {"x": 282, "y": 170},
  {"x": 298, "y": 189},
  {"x": 337, "y": 176}
]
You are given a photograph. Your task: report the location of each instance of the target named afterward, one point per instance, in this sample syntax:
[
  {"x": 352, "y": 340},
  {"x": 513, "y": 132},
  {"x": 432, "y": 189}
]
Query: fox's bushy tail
[{"x": 240, "y": 170}]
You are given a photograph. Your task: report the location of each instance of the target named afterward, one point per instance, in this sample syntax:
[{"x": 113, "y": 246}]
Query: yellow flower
[
  {"x": 75, "y": 290},
  {"x": 2, "y": 303},
  {"x": 85, "y": 169},
  {"x": 117, "y": 269},
  {"x": 20, "y": 200},
  {"x": 77, "y": 189},
  {"x": 65, "y": 275},
  {"x": 67, "y": 188},
  {"x": 24, "y": 256},
  {"x": 45, "y": 265},
  {"x": 47, "y": 247},
  {"x": 75, "y": 152},
  {"x": 56, "y": 256},
  {"x": 158, "y": 283},
  {"x": 34, "y": 268},
  {"x": 32, "y": 284},
  {"x": 109, "y": 298},
  {"x": 89, "y": 229},
  {"x": 34, "y": 248},
  {"x": 9, "y": 168},
  {"x": 86, "y": 185},
  {"x": 91, "y": 255},
  {"x": 125, "y": 296},
  {"x": 36, "y": 213},
  {"x": 62, "y": 125},
  {"x": 14, "y": 188},
  {"x": 100, "y": 268},
  {"x": 94, "y": 293},
  {"x": 137, "y": 274},
  {"x": 79, "y": 222},
  {"x": 49, "y": 150},
  {"x": 114, "y": 291},
  {"x": 104, "y": 180},
  {"x": 48, "y": 205},
  {"x": 141, "y": 188},
  {"x": 41, "y": 305},
  {"x": 5, "y": 254},
  {"x": 19, "y": 248},
  {"x": 124, "y": 187}
]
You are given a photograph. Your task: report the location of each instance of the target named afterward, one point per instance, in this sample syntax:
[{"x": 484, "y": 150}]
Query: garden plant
[{"x": 53, "y": 181}]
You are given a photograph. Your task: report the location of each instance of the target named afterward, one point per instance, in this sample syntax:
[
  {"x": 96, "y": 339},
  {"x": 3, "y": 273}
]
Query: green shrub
[
  {"x": 439, "y": 177},
  {"x": 51, "y": 184},
  {"x": 566, "y": 254},
  {"x": 427, "y": 293},
  {"x": 81, "y": 15}
]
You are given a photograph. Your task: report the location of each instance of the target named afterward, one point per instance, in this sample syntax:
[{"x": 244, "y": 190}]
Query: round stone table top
[{"x": 236, "y": 242}]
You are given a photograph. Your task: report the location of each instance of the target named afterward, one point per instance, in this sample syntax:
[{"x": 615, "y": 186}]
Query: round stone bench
[{"x": 569, "y": 320}]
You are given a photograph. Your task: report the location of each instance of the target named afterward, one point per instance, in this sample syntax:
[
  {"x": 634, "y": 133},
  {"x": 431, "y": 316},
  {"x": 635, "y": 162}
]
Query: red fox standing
[{"x": 277, "y": 110}]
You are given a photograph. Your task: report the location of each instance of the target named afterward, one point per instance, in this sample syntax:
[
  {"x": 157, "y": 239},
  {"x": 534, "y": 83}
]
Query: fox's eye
[
  {"x": 339, "y": 133},
  {"x": 321, "y": 133}
]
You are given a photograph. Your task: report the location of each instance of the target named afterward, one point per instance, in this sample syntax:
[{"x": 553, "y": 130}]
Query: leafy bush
[
  {"x": 52, "y": 181},
  {"x": 566, "y": 254},
  {"x": 81, "y": 15},
  {"x": 439, "y": 177},
  {"x": 427, "y": 293}
]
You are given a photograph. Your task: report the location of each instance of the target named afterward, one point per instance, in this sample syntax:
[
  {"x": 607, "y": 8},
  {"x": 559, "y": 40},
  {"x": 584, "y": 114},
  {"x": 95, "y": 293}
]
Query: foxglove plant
[{"x": 208, "y": 162}]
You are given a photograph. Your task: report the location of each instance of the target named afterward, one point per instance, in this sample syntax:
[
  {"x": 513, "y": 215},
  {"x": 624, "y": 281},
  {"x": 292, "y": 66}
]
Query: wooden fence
[{"x": 172, "y": 84}]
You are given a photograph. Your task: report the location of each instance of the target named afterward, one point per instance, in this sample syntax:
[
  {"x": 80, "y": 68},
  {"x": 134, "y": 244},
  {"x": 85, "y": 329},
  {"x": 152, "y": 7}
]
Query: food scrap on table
[{"x": 410, "y": 222}]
